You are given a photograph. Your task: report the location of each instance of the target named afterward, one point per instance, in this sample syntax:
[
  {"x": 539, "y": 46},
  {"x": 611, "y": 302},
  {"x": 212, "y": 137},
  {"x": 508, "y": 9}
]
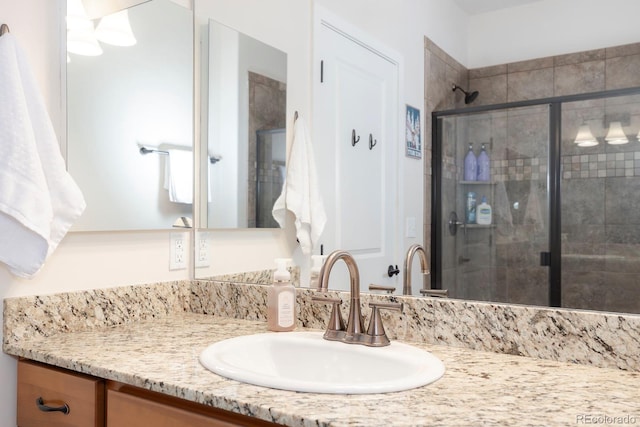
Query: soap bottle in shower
[
  {"x": 470, "y": 208},
  {"x": 483, "y": 214},
  {"x": 281, "y": 300},
  {"x": 483, "y": 165},
  {"x": 470, "y": 165}
]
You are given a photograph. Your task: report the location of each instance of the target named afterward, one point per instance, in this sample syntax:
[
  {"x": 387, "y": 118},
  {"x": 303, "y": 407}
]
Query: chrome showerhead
[{"x": 468, "y": 97}]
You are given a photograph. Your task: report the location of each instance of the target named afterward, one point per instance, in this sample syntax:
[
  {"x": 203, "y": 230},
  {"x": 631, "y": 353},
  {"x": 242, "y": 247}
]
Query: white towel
[
  {"x": 39, "y": 201},
  {"x": 178, "y": 178},
  {"x": 300, "y": 193}
]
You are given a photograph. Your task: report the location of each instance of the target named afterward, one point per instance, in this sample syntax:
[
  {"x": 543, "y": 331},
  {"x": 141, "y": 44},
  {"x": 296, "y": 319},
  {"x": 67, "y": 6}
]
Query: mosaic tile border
[{"x": 577, "y": 166}]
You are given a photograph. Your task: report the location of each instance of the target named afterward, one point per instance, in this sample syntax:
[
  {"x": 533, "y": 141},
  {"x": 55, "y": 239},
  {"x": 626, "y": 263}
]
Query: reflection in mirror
[
  {"x": 244, "y": 91},
  {"x": 127, "y": 98},
  {"x": 271, "y": 150}
]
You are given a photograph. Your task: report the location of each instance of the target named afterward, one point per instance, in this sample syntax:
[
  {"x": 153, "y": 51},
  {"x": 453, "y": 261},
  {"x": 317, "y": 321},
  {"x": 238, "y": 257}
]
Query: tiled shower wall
[{"x": 602, "y": 247}]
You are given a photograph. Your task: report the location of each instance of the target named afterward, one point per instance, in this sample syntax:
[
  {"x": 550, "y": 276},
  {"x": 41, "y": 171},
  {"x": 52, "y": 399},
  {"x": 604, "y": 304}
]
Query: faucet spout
[
  {"x": 413, "y": 249},
  {"x": 355, "y": 326}
]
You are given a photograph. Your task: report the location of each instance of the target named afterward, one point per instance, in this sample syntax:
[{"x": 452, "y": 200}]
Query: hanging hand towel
[
  {"x": 300, "y": 193},
  {"x": 39, "y": 201},
  {"x": 179, "y": 176}
]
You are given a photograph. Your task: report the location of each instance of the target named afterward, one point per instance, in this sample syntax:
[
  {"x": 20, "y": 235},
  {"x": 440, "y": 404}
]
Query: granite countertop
[{"x": 478, "y": 388}]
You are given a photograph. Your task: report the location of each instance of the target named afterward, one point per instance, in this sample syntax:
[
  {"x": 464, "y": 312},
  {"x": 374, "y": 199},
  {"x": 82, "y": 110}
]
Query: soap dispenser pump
[{"x": 281, "y": 300}]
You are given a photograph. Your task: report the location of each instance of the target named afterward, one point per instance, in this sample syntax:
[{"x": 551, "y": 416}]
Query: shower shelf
[
  {"x": 477, "y": 182},
  {"x": 478, "y": 226}
]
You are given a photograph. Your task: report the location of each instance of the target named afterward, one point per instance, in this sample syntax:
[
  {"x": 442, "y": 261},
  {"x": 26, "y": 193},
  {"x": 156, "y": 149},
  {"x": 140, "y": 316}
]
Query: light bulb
[
  {"x": 115, "y": 29},
  {"x": 585, "y": 138},
  {"x": 76, "y": 15},
  {"x": 82, "y": 41},
  {"x": 616, "y": 135}
]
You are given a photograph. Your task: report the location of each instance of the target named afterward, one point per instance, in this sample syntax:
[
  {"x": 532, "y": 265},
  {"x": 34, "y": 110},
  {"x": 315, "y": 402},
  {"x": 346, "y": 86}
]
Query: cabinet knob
[{"x": 45, "y": 408}]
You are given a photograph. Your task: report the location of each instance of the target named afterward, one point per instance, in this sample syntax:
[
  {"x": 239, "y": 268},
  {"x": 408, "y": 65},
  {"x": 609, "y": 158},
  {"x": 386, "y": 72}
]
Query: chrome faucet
[
  {"x": 354, "y": 332},
  {"x": 413, "y": 249}
]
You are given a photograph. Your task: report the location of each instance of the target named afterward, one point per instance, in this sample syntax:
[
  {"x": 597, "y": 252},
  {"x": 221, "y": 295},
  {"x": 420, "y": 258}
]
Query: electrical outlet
[
  {"x": 178, "y": 251},
  {"x": 202, "y": 249}
]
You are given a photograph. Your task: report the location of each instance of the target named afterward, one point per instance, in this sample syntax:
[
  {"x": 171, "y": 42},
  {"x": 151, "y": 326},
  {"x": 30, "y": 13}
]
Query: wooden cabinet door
[{"x": 54, "y": 388}]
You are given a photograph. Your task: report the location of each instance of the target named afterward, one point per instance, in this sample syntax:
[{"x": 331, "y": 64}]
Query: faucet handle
[
  {"x": 387, "y": 289},
  {"x": 439, "y": 293},
  {"x": 335, "y": 320},
  {"x": 376, "y": 335}
]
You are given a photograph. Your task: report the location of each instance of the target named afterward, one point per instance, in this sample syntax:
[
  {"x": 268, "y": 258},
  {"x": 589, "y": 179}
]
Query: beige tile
[
  {"x": 624, "y": 50},
  {"x": 579, "y": 78},
  {"x": 578, "y": 57},
  {"x": 530, "y": 84},
  {"x": 460, "y": 78},
  {"x": 493, "y": 70},
  {"x": 436, "y": 50},
  {"x": 533, "y": 64},
  {"x": 438, "y": 85},
  {"x": 622, "y": 72},
  {"x": 493, "y": 90}
]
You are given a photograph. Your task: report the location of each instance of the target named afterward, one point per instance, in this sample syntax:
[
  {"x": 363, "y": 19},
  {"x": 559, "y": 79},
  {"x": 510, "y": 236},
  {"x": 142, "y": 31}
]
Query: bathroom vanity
[
  {"x": 74, "y": 399},
  {"x": 141, "y": 344}
]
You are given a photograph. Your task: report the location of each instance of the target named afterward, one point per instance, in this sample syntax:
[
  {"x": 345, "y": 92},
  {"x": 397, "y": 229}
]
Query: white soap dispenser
[{"x": 281, "y": 300}]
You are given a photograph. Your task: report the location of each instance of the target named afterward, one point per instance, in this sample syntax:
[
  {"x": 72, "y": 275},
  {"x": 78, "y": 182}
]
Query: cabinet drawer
[
  {"x": 84, "y": 396},
  {"x": 133, "y": 407}
]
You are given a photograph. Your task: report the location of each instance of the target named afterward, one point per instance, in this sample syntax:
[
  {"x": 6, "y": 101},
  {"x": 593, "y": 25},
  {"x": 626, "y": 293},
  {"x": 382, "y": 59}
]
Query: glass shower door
[
  {"x": 600, "y": 204},
  {"x": 500, "y": 261}
]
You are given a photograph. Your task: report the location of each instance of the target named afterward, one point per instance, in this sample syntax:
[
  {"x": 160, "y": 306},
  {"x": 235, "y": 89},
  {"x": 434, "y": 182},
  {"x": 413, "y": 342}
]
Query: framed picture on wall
[{"x": 413, "y": 139}]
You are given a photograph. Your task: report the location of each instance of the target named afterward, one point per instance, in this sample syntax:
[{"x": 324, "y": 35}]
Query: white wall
[{"x": 550, "y": 27}]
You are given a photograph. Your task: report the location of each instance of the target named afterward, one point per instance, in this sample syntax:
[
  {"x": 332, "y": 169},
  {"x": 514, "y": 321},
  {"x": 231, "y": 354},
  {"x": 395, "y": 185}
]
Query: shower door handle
[{"x": 454, "y": 223}]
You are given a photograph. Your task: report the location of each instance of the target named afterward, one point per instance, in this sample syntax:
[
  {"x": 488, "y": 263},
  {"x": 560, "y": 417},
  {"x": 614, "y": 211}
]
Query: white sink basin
[{"x": 304, "y": 361}]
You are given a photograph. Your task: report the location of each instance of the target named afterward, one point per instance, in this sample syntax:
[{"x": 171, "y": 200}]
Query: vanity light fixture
[
  {"x": 585, "y": 138},
  {"x": 82, "y": 41},
  {"x": 76, "y": 15},
  {"x": 81, "y": 38},
  {"x": 616, "y": 135},
  {"x": 115, "y": 29}
]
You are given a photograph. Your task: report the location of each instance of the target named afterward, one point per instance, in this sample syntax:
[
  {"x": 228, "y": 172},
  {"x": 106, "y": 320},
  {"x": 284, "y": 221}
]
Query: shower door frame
[{"x": 554, "y": 175}]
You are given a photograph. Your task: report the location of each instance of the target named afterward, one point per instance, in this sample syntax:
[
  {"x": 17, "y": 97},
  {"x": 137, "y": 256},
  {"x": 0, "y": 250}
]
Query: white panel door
[{"x": 356, "y": 94}]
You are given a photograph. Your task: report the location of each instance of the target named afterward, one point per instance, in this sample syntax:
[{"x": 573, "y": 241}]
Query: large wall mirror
[
  {"x": 129, "y": 98},
  {"x": 243, "y": 89}
]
